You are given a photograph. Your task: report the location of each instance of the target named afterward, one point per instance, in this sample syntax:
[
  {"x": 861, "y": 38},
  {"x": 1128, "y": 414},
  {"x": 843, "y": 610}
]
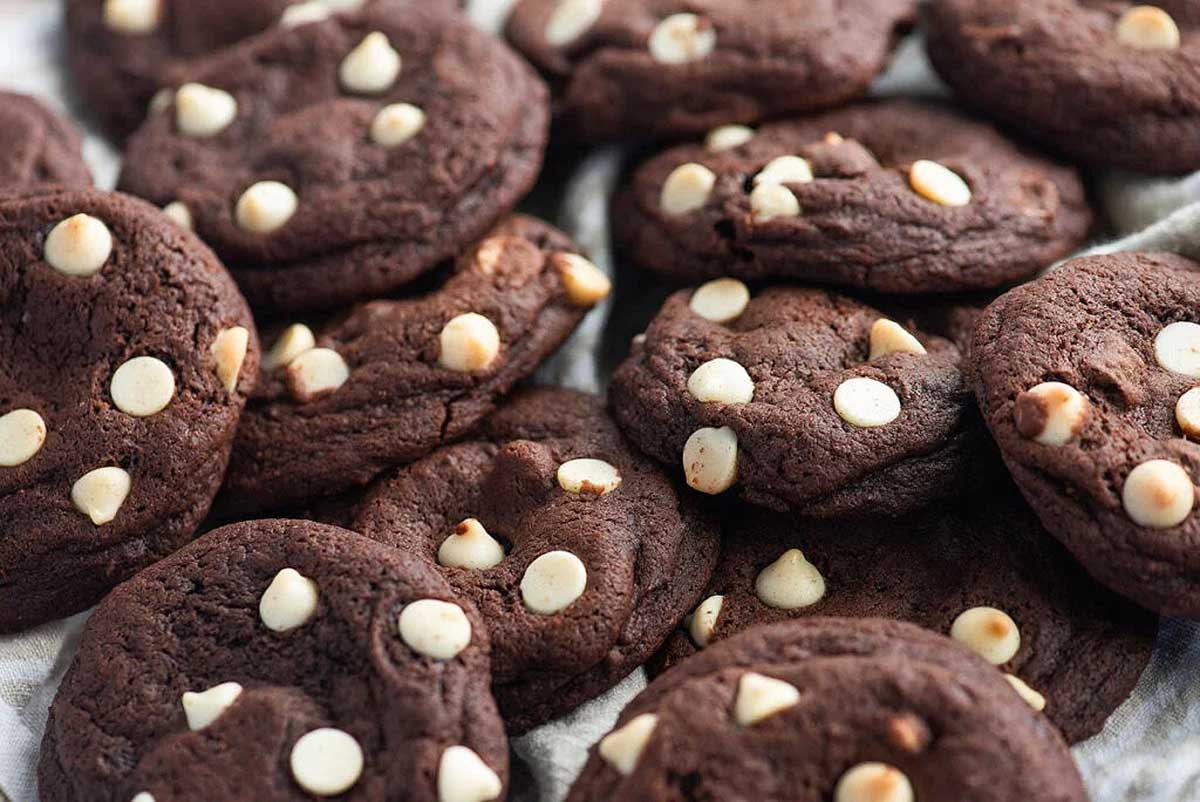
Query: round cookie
[
  {"x": 625, "y": 68},
  {"x": 894, "y": 196},
  {"x": 38, "y": 147},
  {"x": 946, "y": 570},
  {"x": 126, "y": 356},
  {"x": 577, "y": 550},
  {"x": 280, "y": 660},
  {"x": 1107, "y": 83},
  {"x": 1084, "y": 378},
  {"x": 336, "y": 161},
  {"x": 831, "y": 709},
  {"x": 804, "y": 399},
  {"x": 391, "y": 380}
]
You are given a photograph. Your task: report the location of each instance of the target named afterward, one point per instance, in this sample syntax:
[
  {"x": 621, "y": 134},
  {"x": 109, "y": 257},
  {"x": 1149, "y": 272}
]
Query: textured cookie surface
[
  {"x": 831, "y": 709},
  {"x": 580, "y": 568},
  {"x": 38, "y": 147},
  {"x": 337, "y": 692},
  {"x": 1109, "y": 83},
  {"x": 336, "y": 161},
  {"x": 126, "y": 355},
  {"x": 646, "y": 67},
  {"x": 850, "y": 197},
  {"x": 392, "y": 380},
  {"x": 987, "y": 551},
  {"x": 1083, "y": 378},
  {"x": 785, "y": 403}
]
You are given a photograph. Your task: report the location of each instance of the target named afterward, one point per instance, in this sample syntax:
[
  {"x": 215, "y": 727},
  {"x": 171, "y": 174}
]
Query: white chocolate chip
[
  {"x": 100, "y": 493},
  {"x": 372, "y": 67},
  {"x": 939, "y": 184},
  {"x": 180, "y": 214},
  {"x": 142, "y": 796},
  {"x": 1158, "y": 494},
  {"x": 205, "y": 707},
  {"x": 990, "y": 633},
  {"x": 303, "y": 13},
  {"x": 710, "y": 460},
  {"x": 592, "y": 477},
  {"x": 78, "y": 246},
  {"x": 470, "y": 547},
  {"x": 265, "y": 207},
  {"x": 723, "y": 381},
  {"x": 773, "y": 201},
  {"x": 1177, "y": 348},
  {"x": 1187, "y": 413},
  {"x": 1031, "y": 697},
  {"x": 464, "y": 777},
  {"x": 161, "y": 100},
  {"x": 785, "y": 170},
  {"x": 22, "y": 434},
  {"x": 681, "y": 38},
  {"x": 1148, "y": 28},
  {"x": 1051, "y": 413},
  {"x": 728, "y": 137},
  {"x": 202, "y": 111},
  {"x": 326, "y": 762},
  {"x": 570, "y": 19},
  {"x": 586, "y": 284},
  {"x": 790, "y": 583},
  {"x": 397, "y": 123},
  {"x": 687, "y": 188},
  {"x": 435, "y": 628},
  {"x": 720, "y": 300},
  {"x": 229, "y": 351},
  {"x": 866, "y": 403},
  {"x": 316, "y": 372},
  {"x": 295, "y": 340},
  {"x": 289, "y": 601},
  {"x": 553, "y": 582},
  {"x": 132, "y": 16},
  {"x": 889, "y": 337},
  {"x": 622, "y": 747},
  {"x": 469, "y": 342},
  {"x": 760, "y": 697},
  {"x": 142, "y": 387},
  {"x": 704, "y": 620},
  {"x": 874, "y": 782}
]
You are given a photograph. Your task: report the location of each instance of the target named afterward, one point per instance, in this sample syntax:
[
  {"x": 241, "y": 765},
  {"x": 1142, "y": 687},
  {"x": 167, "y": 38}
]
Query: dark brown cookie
[
  {"x": 807, "y": 400},
  {"x": 392, "y": 380},
  {"x": 38, "y": 147},
  {"x": 849, "y": 710},
  {"x": 1107, "y": 82},
  {"x": 126, "y": 355},
  {"x": 1085, "y": 378},
  {"x": 278, "y": 660},
  {"x": 980, "y": 569},
  {"x": 335, "y": 162},
  {"x": 625, "y": 68},
  {"x": 896, "y": 197},
  {"x": 577, "y": 550}
]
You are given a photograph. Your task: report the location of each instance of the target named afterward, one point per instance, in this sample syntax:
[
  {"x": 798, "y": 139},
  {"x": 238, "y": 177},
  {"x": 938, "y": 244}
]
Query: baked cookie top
[
  {"x": 577, "y": 550},
  {"x": 126, "y": 356},
  {"x": 1086, "y": 379},
  {"x": 336, "y": 161},
  {"x": 849, "y": 710},
  {"x": 391, "y": 380},
  {"x": 38, "y": 147},
  {"x": 280, "y": 660},
  {"x": 1108, "y": 82},
  {"x": 895, "y": 196},
  {"x": 662, "y": 68},
  {"x": 803, "y": 399}
]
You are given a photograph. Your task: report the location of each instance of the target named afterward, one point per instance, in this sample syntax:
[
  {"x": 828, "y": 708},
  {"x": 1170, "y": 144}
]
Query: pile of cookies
[{"x": 887, "y": 510}]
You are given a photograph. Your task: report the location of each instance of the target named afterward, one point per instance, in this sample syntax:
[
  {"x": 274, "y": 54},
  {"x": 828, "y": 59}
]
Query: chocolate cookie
[
  {"x": 808, "y": 400},
  {"x": 1086, "y": 379},
  {"x": 392, "y": 380},
  {"x": 278, "y": 660},
  {"x": 848, "y": 710},
  {"x": 1107, "y": 82},
  {"x": 336, "y": 161},
  {"x": 38, "y": 147},
  {"x": 895, "y": 197},
  {"x": 126, "y": 355},
  {"x": 577, "y": 550},
  {"x": 625, "y": 68},
  {"x": 981, "y": 570}
]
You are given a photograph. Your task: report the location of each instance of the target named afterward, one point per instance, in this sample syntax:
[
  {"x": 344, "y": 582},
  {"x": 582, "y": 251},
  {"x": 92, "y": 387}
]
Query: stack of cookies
[{"x": 887, "y": 508}]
